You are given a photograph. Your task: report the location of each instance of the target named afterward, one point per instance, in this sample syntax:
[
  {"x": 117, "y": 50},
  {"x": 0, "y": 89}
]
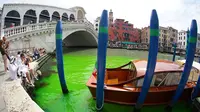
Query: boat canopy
[
  {"x": 195, "y": 64},
  {"x": 161, "y": 66}
]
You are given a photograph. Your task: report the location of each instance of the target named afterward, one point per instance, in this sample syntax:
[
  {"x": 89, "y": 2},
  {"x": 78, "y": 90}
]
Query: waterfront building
[
  {"x": 96, "y": 24},
  {"x": 110, "y": 17},
  {"x": 168, "y": 36},
  {"x": 119, "y": 30},
  {"x": 97, "y": 20},
  {"x": 122, "y": 30},
  {"x": 182, "y": 40}
]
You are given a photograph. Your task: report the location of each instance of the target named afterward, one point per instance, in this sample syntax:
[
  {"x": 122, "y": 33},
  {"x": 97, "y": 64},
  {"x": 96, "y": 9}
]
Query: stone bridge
[{"x": 42, "y": 35}]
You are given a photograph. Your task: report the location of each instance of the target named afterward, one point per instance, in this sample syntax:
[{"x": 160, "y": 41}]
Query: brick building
[{"x": 121, "y": 30}]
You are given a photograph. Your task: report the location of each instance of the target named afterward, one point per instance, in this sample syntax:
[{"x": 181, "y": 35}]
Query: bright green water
[{"x": 78, "y": 66}]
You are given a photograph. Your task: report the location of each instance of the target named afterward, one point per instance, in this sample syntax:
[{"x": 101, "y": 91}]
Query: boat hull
[
  {"x": 124, "y": 85},
  {"x": 130, "y": 97}
]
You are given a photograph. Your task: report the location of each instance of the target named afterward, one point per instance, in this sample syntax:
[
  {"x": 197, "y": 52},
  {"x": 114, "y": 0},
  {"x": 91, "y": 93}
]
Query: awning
[{"x": 131, "y": 43}]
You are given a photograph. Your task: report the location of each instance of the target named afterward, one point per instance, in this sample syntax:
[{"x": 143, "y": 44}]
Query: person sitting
[
  {"x": 32, "y": 72},
  {"x": 36, "y": 53},
  {"x": 23, "y": 67}
]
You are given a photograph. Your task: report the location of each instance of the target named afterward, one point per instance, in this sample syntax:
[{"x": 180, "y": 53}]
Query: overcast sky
[{"x": 175, "y": 13}]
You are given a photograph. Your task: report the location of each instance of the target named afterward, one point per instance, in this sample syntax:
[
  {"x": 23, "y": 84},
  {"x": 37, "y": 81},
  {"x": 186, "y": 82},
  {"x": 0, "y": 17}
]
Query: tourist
[
  {"x": 18, "y": 58},
  {"x": 12, "y": 25},
  {"x": 13, "y": 67},
  {"x": 3, "y": 53},
  {"x": 23, "y": 67},
  {"x": 36, "y": 53},
  {"x": 32, "y": 72},
  {"x": 6, "y": 46}
]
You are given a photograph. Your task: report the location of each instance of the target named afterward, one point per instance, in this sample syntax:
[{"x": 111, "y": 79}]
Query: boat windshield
[{"x": 167, "y": 78}]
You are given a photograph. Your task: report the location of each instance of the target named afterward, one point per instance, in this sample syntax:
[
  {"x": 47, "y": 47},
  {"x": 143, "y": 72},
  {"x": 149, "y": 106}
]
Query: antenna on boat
[
  {"x": 101, "y": 58},
  {"x": 152, "y": 57},
  {"x": 188, "y": 64},
  {"x": 59, "y": 57}
]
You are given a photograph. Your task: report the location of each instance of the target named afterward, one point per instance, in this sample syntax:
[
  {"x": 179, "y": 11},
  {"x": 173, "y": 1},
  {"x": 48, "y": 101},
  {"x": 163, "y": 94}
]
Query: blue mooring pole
[
  {"x": 101, "y": 59},
  {"x": 174, "y": 55},
  {"x": 59, "y": 57},
  {"x": 152, "y": 57},
  {"x": 188, "y": 65}
]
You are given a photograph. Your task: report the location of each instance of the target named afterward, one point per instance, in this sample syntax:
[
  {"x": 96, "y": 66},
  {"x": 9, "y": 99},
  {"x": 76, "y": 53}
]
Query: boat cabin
[{"x": 132, "y": 74}]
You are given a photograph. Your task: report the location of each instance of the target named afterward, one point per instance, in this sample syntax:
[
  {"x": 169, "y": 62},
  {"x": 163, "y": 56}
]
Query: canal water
[{"x": 78, "y": 66}]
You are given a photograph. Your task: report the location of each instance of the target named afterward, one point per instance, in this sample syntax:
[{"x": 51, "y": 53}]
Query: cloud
[{"x": 175, "y": 13}]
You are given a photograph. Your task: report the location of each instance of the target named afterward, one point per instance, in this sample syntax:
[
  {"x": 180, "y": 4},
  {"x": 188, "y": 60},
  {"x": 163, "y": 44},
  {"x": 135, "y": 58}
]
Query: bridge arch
[
  {"x": 30, "y": 17},
  {"x": 79, "y": 38},
  {"x": 12, "y": 16},
  {"x": 44, "y": 16}
]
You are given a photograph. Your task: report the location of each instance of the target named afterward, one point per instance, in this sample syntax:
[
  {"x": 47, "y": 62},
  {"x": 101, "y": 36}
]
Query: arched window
[
  {"x": 64, "y": 17},
  {"x": 12, "y": 17},
  {"x": 55, "y": 16},
  {"x": 72, "y": 17},
  {"x": 30, "y": 17},
  {"x": 80, "y": 15},
  {"x": 44, "y": 16}
]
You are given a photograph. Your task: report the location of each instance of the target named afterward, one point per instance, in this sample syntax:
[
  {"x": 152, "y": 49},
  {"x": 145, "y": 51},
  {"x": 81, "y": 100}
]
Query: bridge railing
[{"x": 10, "y": 32}]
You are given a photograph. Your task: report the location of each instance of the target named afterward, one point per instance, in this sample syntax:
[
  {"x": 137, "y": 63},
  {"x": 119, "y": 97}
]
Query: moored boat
[{"x": 123, "y": 84}]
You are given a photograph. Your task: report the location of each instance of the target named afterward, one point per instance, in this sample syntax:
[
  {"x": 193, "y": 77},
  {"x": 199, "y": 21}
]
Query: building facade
[
  {"x": 121, "y": 30},
  {"x": 168, "y": 36},
  {"x": 97, "y": 20},
  {"x": 145, "y": 34},
  {"x": 110, "y": 17},
  {"x": 182, "y": 40},
  {"x": 96, "y": 24}
]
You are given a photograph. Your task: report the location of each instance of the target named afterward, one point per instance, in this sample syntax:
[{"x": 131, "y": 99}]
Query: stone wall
[
  {"x": 16, "y": 99},
  {"x": 13, "y": 97}
]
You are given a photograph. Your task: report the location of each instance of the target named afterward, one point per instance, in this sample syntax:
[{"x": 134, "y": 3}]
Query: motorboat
[{"x": 122, "y": 85}]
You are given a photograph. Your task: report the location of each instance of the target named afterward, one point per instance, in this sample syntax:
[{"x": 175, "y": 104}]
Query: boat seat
[
  {"x": 106, "y": 77},
  {"x": 112, "y": 81},
  {"x": 128, "y": 85}
]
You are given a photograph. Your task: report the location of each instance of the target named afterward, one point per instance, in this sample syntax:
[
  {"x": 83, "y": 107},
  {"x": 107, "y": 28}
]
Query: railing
[{"x": 10, "y": 32}]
